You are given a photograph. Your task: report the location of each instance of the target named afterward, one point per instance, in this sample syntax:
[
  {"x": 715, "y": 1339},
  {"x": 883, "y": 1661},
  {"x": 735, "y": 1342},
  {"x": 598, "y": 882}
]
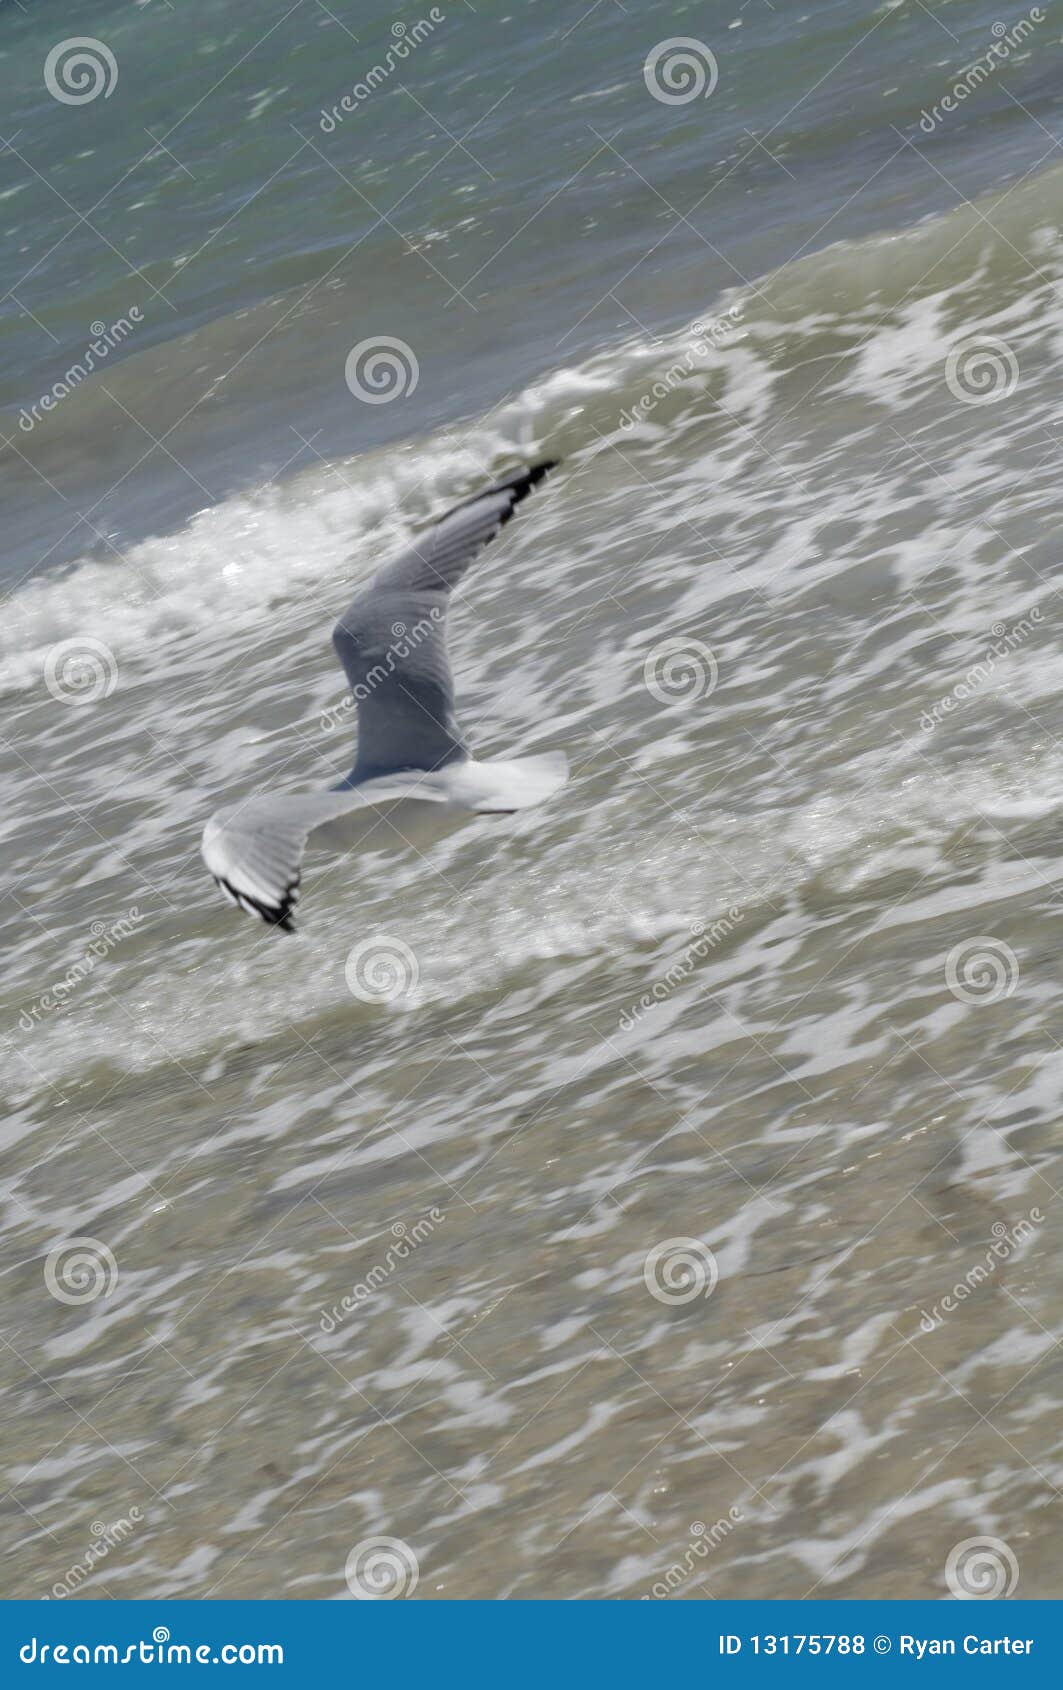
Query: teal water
[
  {"x": 258, "y": 247},
  {"x": 775, "y": 978}
]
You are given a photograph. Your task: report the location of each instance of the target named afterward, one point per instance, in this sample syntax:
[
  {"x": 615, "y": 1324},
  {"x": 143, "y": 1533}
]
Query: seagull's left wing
[{"x": 254, "y": 850}]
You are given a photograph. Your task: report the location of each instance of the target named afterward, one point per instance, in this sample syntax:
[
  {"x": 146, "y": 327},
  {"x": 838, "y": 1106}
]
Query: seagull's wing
[
  {"x": 392, "y": 639},
  {"x": 254, "y": 851}
]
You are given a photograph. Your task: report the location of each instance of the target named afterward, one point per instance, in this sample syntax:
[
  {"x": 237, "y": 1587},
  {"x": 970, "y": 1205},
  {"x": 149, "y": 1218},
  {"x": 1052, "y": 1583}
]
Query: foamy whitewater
[{"x": 775, "y": 973}]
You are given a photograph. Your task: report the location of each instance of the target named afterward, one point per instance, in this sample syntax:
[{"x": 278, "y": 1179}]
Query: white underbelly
[{"x": 408, "y": 823}]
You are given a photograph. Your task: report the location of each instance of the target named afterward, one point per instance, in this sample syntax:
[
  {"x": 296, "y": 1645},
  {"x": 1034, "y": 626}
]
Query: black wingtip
[
  {"x": 523, "y": 482},
  {"x": 519, "y": 485},
  {"x": 278, "y": 916}
]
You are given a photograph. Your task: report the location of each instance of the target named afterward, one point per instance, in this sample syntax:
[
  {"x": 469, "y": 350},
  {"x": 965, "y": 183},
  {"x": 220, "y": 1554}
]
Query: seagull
[{"x": 391, "y": 642}]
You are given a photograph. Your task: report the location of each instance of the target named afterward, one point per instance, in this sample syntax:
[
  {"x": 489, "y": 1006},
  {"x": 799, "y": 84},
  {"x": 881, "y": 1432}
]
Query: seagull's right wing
[{"x": 392, "y": 639}]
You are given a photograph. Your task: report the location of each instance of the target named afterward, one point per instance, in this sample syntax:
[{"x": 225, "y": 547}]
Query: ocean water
[{"x": 671, "y": 1206}]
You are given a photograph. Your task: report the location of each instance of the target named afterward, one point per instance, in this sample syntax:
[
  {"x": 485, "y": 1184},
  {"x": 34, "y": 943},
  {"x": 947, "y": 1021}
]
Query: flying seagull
[{"x": 392, "y": 643}]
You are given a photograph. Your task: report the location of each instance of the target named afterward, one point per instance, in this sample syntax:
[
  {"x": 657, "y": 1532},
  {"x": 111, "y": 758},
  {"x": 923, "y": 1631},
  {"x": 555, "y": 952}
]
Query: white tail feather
[{"x": 517, "y": 784}]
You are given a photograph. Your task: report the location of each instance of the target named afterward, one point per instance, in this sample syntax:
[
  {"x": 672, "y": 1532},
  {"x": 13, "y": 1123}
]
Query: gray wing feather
[
  {"x": 255, "y": 850},
  {"x": 392, "y": 639}
]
